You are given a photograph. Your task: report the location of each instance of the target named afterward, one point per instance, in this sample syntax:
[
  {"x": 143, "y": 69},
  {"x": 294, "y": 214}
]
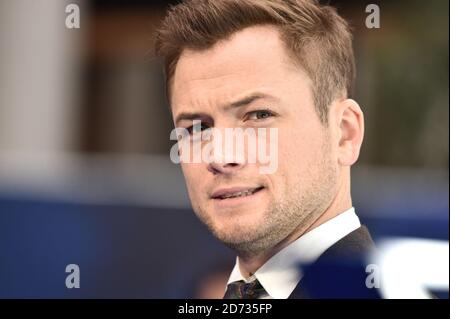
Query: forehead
[{"x": 251, "y": 59}]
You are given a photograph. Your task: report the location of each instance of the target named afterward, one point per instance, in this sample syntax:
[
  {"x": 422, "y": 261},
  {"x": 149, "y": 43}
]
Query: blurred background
[{"x": 85, "y": 173}]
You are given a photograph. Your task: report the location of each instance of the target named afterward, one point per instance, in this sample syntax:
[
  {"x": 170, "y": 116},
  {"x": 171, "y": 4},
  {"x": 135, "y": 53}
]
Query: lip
[
  {"x": 240, "y": 202},
  {"x": 231, "y": 190}
]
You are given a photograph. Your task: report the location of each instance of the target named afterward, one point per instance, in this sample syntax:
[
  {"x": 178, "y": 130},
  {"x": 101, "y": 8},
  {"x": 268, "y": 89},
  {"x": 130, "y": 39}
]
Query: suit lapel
[{"x": 340, "y": 271}]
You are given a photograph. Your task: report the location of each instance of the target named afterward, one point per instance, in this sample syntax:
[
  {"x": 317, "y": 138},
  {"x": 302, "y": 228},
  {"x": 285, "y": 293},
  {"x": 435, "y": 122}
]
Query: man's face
[{"x": 252, "y": 67}]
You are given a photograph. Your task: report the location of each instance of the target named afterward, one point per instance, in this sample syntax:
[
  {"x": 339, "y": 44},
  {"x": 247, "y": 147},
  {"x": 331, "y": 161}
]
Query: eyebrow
[
  {"x": 186, "y": 116},
  {"x": 236, "y": 104},
  {"x": 248, "y": 99}
]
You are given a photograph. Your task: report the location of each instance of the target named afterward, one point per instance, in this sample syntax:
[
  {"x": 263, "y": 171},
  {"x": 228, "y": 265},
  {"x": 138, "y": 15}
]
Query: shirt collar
[{"x": 281, "y": 274}]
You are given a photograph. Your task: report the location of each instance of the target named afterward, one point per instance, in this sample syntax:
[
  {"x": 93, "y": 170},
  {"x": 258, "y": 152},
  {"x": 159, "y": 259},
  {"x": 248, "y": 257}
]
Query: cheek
[
  {"x": 192, "y": 173},
  {"x": 298, "y": 153},
  {"x": 294, "y": 148}
]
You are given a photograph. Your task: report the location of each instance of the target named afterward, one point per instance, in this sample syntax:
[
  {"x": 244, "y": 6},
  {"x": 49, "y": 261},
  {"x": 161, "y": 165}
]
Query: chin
[{"x": 237, "y": 230}]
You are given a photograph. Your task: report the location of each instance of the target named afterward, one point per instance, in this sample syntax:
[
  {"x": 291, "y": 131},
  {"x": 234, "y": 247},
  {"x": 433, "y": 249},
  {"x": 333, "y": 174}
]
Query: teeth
[{"x": 238, "y": 194}]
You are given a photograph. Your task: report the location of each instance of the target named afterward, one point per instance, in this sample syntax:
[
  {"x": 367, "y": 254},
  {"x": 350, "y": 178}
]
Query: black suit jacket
[{"x": 340, "y": 272}]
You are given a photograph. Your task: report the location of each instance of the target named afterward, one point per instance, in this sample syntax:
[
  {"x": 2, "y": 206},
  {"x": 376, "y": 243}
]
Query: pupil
[
  {"x": 263, "y": 115},
  {"x": 198, "y": 128}
]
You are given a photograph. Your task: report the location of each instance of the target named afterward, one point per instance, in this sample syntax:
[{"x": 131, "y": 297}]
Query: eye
[
  {"x": 198, "y": 128},
  {"x": 259, "y": 115}
]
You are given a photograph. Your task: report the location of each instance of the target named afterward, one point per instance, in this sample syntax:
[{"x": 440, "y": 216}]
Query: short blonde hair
[{"x": 316, "y": 37}]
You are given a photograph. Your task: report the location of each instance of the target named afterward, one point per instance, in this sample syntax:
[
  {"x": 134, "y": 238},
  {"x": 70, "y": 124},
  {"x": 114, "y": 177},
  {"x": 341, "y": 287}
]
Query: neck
[{"x": 249, "y": 264}]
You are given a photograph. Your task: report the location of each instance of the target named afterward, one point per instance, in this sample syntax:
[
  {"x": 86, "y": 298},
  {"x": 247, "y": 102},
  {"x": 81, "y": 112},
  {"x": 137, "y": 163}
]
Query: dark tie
[{"x": 242, "y": 290}]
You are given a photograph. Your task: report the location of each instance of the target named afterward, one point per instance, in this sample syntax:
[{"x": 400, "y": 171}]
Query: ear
[{"x": 350, "y": 126}]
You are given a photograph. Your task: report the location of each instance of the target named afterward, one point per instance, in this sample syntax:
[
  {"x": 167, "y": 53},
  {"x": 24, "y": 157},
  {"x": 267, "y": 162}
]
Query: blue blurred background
[{"x": 85, "y": 174}]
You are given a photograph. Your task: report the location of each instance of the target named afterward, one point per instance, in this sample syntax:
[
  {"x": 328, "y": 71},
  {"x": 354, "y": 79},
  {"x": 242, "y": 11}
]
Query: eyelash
[
  {"x": 246, "y": 118},
  {"x": 190, "y": 129}
]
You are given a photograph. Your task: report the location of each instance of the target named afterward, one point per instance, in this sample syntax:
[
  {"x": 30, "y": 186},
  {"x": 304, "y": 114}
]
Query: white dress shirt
[{"x": 281, "y": 274}]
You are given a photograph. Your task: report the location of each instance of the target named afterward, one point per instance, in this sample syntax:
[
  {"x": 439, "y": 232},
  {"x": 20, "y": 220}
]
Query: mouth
[{"x": 238, "y": 192}]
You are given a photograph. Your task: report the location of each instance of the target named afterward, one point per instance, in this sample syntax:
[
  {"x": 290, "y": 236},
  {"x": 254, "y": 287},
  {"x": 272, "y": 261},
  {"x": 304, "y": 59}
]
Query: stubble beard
[{"x": 296, "y": 213}]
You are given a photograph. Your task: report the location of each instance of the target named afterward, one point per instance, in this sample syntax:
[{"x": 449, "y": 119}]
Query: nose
[
  {"x": 224, "y": 168},
  {"x": 226, "y": 158}
]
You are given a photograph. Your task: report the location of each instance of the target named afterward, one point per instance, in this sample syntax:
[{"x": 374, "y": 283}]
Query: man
[{"x": 284, "y": 64}]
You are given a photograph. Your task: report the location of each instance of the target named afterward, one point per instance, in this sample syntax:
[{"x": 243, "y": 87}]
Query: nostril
[
  {"x": 231, "y": 164},
  {"x": 223, "y": 168}
]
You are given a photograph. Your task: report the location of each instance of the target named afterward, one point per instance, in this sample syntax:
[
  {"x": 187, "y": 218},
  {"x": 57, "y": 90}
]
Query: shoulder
[{"x": 340, "y": 272}]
